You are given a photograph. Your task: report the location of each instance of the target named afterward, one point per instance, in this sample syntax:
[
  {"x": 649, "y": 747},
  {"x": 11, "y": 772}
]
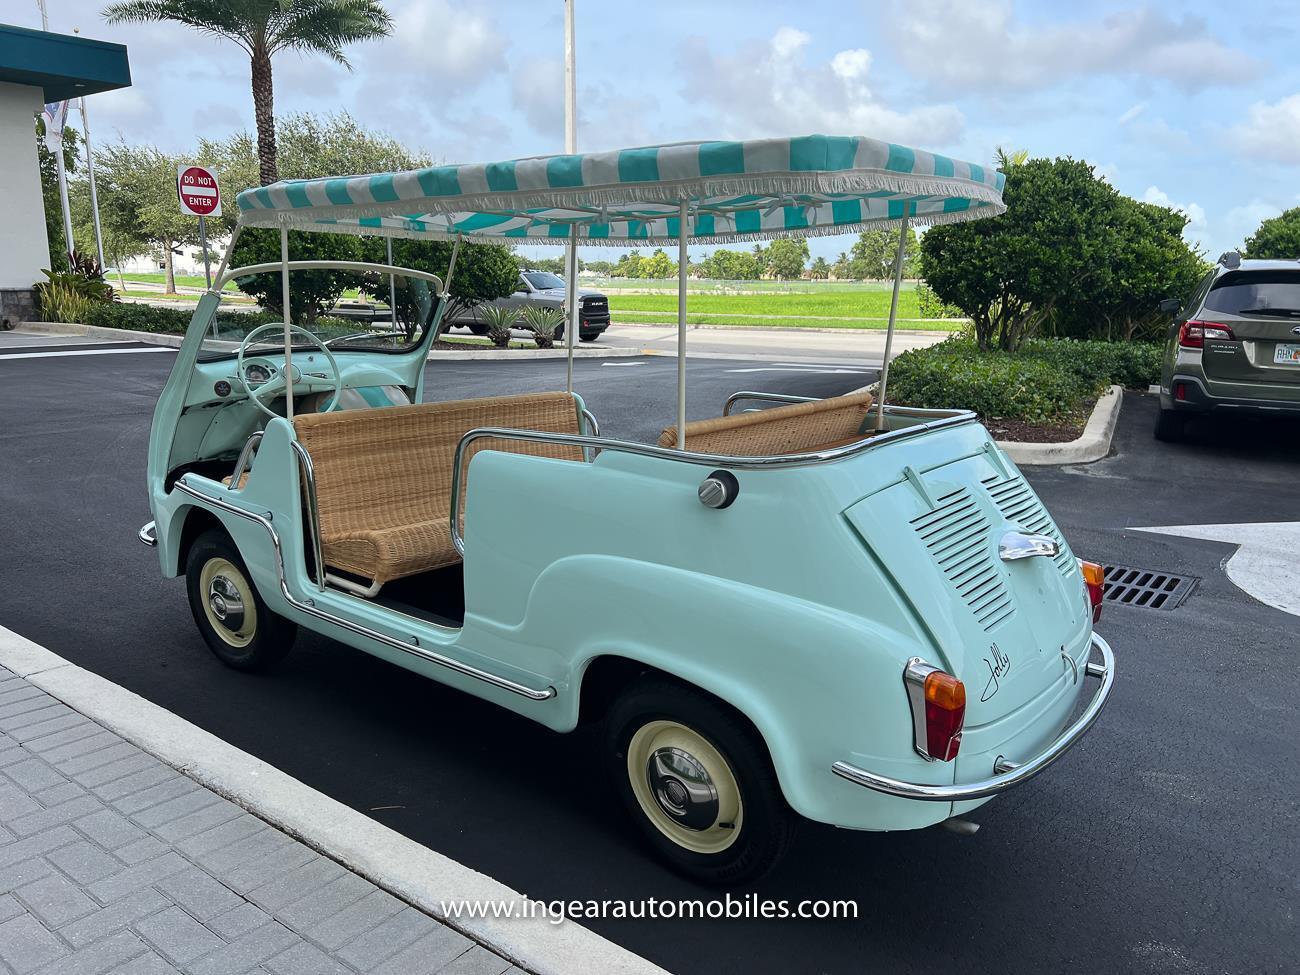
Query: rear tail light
[
  {"x": 938, "y": 710},
  {"x": 1094, "y": 585},
  {"x": 1192, "y": 334}
]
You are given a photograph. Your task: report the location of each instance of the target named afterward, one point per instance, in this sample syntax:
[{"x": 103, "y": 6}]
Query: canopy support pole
[
  {"x": 288, "y": 337},
  {"x": 451, "y": 266},
  {"x": 392, "y": 287},
  {"x": 225, "y": 258},
  {"x": 683, "y": 235},
  {"x": 893, "y": 316},
  {"x": 571, "y": 294}
]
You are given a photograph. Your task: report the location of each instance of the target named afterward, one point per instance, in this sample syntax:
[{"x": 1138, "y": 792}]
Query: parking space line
[{"x": 79, "y": 352}]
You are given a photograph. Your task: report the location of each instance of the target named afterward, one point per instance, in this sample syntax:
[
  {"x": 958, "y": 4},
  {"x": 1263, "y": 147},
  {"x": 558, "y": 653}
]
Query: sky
[{"x": 1193, "y": 105}]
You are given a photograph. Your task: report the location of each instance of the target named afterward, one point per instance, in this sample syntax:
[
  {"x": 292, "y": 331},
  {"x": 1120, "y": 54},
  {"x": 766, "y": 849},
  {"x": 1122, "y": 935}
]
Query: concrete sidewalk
[{"x": 114, "y": 862}]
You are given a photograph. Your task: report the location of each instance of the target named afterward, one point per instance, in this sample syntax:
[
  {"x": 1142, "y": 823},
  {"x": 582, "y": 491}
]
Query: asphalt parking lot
[{"x": 1166, "y": 842}]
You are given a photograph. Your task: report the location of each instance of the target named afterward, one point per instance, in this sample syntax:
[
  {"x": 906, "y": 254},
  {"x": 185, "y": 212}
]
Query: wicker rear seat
[
  {"x": 383, "y": 477},
  {"x": 794, "y": 429}
]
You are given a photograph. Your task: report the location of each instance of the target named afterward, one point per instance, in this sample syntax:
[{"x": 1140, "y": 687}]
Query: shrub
[
  {"x": 172, "y": 321},
  {"x": 1046, "y": 380},
  {"x": 499, "y": 321},
  {"x": 543, "y": 321},
  {"x": 932, "y": 306},
  {"x": 60, "y": 299}
]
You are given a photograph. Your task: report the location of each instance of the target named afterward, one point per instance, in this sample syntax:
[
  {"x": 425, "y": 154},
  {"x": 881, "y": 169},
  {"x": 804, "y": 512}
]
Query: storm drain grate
[{"x": 1145, "y": 588}]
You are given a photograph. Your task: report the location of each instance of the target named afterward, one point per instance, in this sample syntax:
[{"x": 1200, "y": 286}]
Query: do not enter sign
[{"x": 198, "y": 191}]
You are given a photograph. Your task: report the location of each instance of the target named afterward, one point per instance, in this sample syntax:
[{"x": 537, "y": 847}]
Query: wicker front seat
[
  {"x": 383, "y": 477},
  {"x": 793, "y": 429}
]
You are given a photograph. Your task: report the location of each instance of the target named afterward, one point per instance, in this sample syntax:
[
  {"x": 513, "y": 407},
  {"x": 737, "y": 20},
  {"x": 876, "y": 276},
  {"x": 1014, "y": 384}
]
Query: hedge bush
[
  {"x": 1044, "y": 381},
  {"x": 172, "y": 321}
]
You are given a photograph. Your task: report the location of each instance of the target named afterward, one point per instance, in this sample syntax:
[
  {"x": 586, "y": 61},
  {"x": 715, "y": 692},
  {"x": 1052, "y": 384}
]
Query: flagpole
[{"x": 94, "y": 193}]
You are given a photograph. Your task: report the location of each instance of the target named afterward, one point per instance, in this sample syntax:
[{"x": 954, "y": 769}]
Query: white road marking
[
  {"x": 623, "y": 365},
  {"x": 59, "y": 355},
  {"x": 1264, "y": 566}
]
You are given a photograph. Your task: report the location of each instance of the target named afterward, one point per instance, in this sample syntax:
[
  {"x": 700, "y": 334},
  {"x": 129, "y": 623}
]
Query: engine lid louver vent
[
  {"x": 956, "y": 533},
  {"x": 1018, "y": 504}
]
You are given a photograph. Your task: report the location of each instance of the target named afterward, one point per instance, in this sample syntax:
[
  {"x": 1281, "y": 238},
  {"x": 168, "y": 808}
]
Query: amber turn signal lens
[
  {"x": 945, "y": 714},
  {"x": 1094, "y": 582}
]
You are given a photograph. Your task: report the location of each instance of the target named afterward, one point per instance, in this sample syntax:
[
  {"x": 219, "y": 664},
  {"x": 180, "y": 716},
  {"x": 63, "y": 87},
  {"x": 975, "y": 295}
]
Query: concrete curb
[
  {"x": 383, "y": 856},
  {"x": 1093, "y": 444},
  {"x": 174, "y": 342}
]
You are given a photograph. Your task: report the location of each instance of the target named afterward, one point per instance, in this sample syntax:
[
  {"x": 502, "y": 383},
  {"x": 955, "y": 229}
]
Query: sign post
[{"x": 200, "y": 196}]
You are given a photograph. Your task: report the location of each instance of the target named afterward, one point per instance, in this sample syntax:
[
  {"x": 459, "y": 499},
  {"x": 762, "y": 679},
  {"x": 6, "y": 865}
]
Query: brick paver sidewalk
[{"x": 112, "y": 862}]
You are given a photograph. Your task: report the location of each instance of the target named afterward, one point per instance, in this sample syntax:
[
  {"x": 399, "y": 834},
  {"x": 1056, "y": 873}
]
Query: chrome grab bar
[
  {"x": 1006, "y": 773},
  {"x": 764, "y": 398},
  {"x": 1014, "y": 546},
  {"x": 148, "y": 534},
  {"x": 245, "y": 458},
  {"x": 308, "y": 474},
  {"x": 941, "y": 420},
  {"x": 310, "y": 608}
]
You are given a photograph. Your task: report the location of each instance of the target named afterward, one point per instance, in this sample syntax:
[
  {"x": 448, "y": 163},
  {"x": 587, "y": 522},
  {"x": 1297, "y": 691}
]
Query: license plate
[{"x": 1286, "y": 355}]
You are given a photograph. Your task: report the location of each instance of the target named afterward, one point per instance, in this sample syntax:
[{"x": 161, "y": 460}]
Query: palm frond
[{"x": 326, "y": 26}]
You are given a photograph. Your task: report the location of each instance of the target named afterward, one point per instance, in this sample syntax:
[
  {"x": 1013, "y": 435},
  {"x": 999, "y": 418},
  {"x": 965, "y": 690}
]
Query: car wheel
[
  {"x": 236, "y": 624},
  {"x": 478, "y": 329},
  {"x": 588, "y": 338},
  {"x": 1170, "y": 426},
  {"x": 698, "y": 782}
]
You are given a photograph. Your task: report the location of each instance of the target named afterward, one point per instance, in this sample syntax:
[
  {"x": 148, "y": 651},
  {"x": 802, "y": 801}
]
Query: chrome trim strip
[
  {"x": 245, "y": 458},
  {"x": 941, "y": 420},
  {"x": 309, "y": 608},
  {"x": 1015, "y": 773},
  {"x": 1014, "y": 546},
  {"x": 592, "y": 425},
  {"x": 914, "y": 675},
  {"x": 308, "y": 474},
  {"x": 764, "y": 398},
  {"x": 148, "y": 534}
]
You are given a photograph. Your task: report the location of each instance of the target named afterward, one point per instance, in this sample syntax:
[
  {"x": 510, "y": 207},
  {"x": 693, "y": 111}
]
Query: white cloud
[
  {"x": 1271, "y": 131},
  {"x": 452, "y": 44},
  {"x": 1194, "y": 212},
  {"x": 769, "y": 88},
  {"x": 1133, "y": 113},
  {"x": 537, "y": 91},
  {"x": 956, "y": 44},
  {"x": 1242, "y": 221}
]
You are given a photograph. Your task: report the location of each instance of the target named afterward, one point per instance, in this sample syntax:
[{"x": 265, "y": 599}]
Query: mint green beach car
[{"x": 829, "y": 609}]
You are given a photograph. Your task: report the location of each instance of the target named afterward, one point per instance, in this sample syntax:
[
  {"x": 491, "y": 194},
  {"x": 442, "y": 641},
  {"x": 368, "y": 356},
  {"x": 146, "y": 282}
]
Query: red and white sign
[{"x": 199, "y": 193}]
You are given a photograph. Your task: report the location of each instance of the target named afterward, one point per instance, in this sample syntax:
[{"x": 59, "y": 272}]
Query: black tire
[
  {"x": 641, "y": 724},
  {"x": 477, "y": 329},
  {"x": 588, "y": 338},
  {"x": 1170, "y": 426},
  {"x": 214, "y": 568}
]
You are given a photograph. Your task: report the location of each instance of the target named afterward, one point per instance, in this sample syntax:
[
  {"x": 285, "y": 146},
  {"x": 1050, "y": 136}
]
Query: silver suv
[
  {"x": 547, "y": 289},
  {"x": 1234, "y": 346}
]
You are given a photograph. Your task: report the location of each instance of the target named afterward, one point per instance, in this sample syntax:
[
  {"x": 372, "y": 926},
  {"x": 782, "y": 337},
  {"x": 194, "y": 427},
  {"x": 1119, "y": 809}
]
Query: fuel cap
[{"x": 719, "y": 490}]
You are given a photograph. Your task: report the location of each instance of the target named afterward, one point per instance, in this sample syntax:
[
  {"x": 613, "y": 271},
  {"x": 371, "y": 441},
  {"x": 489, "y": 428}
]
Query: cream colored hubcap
[
  {"x": 228, "y": 602},
  {"x": 685, "y": 787}
]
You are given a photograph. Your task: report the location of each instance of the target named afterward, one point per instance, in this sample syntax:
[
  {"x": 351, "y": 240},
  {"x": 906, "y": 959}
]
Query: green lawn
[
  {"x": 182, "y": 280},
  {"x": 160, "y": 296},
  {"x": 642, "y": 318}
]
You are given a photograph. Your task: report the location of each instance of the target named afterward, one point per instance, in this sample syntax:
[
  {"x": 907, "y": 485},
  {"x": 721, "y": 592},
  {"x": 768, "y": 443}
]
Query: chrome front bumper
[{"x": 1006, "y": 774}]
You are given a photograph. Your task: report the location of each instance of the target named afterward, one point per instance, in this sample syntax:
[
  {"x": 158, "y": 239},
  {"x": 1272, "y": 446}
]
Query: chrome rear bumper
[
  {"x": 148, "y": 534},
  {"x": 1006, "y": 774}
]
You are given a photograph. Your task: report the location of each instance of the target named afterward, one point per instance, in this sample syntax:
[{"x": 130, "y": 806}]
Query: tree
[
  {"x": 1145, "y": 261},
  {"x": 262, "y": 28},
  {"x": 50, "y": 189},
  {"x": 1010, "y": 273},
  {"x": 875, "y": 251},
  {"x": 842, "y": 268},
  {"x": 729, "y": 265},
  {"x": 786, "y": 257},
  {"x": 629, "y": 265},
  {"x": 1006, "y": 158},
  {"x": 657, "y": 265},
  {"x": 1277, "y": 237},
  {"x": 137, "y": 202},
  {"x": 598, "y": 267},
  {"x": 313, "y": 292},
  {"x": 820, "y": 269}
]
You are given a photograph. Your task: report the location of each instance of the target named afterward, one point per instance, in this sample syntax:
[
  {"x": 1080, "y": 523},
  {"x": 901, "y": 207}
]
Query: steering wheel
[{"x": 262, "y": 391}]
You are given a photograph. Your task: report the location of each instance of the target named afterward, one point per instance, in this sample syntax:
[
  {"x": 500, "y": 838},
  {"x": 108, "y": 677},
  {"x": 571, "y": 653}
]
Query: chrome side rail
[
  {"x": 148, "y": 534},
  {"x": 245, "y": 458},
  {"x": 308, "y": 474},
  {"x": 1006, "y": 774},
  {"x": 744, "y": 395},
  {"x": 310, "y": 608},
  {"x": 941, "y": 420}
]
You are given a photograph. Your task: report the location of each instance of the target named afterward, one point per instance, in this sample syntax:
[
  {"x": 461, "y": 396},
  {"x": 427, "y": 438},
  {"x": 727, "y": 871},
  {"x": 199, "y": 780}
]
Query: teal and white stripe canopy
[{"x": 759, "y": 189}]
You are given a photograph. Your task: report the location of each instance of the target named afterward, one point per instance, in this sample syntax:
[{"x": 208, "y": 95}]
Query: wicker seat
[
  {"x": 794, "y": 429},
  {"x": 383, "y": 477}
]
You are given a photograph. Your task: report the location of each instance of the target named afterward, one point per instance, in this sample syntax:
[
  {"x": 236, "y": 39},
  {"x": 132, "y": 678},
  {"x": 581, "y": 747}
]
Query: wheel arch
[{"x": 194, "y": 521}]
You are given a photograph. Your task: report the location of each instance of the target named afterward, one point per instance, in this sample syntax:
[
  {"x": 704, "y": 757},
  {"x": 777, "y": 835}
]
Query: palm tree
[
  {"x": 262, "y": 28},
  {"x": 1013, "y": 157}
]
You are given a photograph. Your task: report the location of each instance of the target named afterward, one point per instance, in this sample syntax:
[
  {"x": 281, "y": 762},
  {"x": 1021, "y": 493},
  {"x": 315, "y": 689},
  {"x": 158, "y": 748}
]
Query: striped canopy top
[{"x": 763, "y": 188}]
